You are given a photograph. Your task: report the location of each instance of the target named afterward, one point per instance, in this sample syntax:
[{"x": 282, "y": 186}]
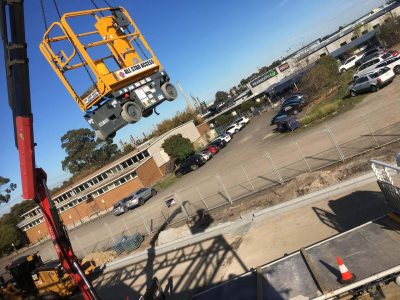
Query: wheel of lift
[
  {"x": 169, "y": 91},
  {"x": 131, "y": 112}
]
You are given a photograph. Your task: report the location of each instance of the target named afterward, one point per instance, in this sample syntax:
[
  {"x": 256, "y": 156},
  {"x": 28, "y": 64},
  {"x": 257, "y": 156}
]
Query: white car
[
  {"x": 224, "y": 137},
  {"x": 232, "y": 129},
  {"x": 205, "y": 154},
  {"x": 367, "y": 67},
  {"x": 243, "y": 120},
  {"x": 349, "y": 63},
  {"x": 392, "y": 63}
]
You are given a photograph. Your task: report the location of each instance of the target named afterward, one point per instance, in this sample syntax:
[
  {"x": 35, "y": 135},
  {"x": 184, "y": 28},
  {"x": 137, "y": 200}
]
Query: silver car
[
  {"x": 139, "y": 197},
  {"x": 372, "y": 81},
  {"x": 120, "y": 207}
]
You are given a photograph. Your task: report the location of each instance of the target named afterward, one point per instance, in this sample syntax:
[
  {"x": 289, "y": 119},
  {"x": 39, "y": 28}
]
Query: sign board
[
  {"x": 283, "y": 67},
  {"x": 135, "y": 69},
  {"x": 263, "y": 78}
]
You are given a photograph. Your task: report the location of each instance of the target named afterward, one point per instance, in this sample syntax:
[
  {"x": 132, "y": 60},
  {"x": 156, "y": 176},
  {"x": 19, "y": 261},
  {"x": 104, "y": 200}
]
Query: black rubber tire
[
  {"x": 355, "y": 78},
  {"x": 147, "y": 113},
  {"x": 169, "y": 91},
  {"x": 343, "y": 70},
  {"x": 396, "y": 70},
  {"x": 131, "y": 112},
  {"x": 353, "y": 93},
  {"x": 153, "y": 192},
  {"x": 141, "y": 201},
  {"x": 194, "y": 167},
  {"x": 178, "y": 174},
  {"x": 374, "y": 88}
]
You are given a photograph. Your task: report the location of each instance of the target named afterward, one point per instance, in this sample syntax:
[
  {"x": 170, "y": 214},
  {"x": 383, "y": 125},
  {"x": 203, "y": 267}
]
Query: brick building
[{"x": 100, "y": 190}]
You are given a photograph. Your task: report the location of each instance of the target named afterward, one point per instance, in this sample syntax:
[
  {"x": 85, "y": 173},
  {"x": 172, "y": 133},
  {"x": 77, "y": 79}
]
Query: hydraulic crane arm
[{"x": 33, "y": 179}]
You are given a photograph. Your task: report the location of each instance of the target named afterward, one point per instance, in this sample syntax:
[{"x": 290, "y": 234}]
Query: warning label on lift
[{"x": 135, "y": 69}]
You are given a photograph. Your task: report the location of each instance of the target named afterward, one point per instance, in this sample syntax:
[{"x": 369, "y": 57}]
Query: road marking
[{"x": 268, "y": 135}]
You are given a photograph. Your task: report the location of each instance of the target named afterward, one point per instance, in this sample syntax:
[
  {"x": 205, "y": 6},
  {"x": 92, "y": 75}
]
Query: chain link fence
[{"x": 351, "y": 137}]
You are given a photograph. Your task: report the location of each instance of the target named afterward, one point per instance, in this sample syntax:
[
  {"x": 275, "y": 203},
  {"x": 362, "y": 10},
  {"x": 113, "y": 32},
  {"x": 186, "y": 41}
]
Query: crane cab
[{"x": 107, "y": 66}]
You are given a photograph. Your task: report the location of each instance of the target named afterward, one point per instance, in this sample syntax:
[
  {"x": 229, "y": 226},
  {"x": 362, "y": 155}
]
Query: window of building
[
  {"x": 129, "y": 162},
  {"x": 146, "y": 153},
  {"x": 124, "y": 165},
  {"x": 322, "y": 55},
  {"x": 105, "y": 188},
  {"x": 117, "y": 183},
  {"x": 122, "y": 180},
  {"x": 376, "y": 26},
  {"x": 354, "y": 37},
  {"x": 342, "y": 44},
  {"x": 135, "y": 159},
  {"x": 365, "y": 32}
]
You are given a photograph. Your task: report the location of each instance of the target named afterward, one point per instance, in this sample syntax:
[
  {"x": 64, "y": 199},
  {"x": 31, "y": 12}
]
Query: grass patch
[
  {"x": 339, "y": 101},
  {"x": 165, "y": 182}
]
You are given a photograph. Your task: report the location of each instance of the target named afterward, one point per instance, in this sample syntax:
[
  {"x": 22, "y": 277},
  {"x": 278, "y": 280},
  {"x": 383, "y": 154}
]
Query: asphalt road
[{"x": 245, "y": 158}]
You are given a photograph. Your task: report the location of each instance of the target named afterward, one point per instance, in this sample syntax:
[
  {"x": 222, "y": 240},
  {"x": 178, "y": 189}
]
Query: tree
[
  {"x": 221, "y": 97},
  {"x": 84, "y": 151},
  {"x": 10, "y": 233},
  {"x": 320, "y": 77},
  {"x": 357, "y": 30},
  {"x": 223, "y": 120},
  {"x": 389, "y": 32},
  {"x": 178, "y": 147},
  {"x": 245, "y": 106},
  {"x": 5, "y": 189}
]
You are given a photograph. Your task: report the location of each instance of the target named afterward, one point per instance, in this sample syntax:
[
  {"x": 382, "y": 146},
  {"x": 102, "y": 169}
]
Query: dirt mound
[{"x": 100, "y": 258}]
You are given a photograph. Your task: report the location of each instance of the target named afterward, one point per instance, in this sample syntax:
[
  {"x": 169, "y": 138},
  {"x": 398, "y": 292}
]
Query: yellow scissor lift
[{"x": 126, "y": 78}]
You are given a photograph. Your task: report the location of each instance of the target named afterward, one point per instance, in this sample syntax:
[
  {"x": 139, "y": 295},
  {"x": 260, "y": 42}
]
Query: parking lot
[{"x": 255, "y": 158}]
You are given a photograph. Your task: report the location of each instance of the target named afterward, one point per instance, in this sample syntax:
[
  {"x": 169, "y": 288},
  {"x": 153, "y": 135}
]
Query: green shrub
[
  {"x": 223, "y": 120},
  {"x": 178, "y": 147}
]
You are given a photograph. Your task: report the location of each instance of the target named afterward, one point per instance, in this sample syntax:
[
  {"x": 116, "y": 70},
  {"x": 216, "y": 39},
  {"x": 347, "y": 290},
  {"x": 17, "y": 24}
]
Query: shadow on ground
[{"x": 353, "y": 210}]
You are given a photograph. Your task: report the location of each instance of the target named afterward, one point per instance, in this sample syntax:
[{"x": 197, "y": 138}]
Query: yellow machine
[
  {"x": 31, "y": 277},
  {"x": 125, "y": 80}
]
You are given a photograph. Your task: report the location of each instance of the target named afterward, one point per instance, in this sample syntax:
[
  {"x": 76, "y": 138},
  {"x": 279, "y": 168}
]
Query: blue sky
[{"x": 206, "y": 45}]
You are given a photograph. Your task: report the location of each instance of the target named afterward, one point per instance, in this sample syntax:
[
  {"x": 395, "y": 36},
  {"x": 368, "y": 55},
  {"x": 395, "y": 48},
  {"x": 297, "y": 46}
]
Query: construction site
[{"x": 312, "y": 213}]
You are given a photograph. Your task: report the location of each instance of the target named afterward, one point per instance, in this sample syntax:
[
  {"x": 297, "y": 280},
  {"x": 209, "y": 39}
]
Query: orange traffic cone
[{"x": 347, "y": 277}]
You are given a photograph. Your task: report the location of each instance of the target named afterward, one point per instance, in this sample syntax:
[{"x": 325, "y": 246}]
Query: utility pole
[{"x": 188, "y": 102}]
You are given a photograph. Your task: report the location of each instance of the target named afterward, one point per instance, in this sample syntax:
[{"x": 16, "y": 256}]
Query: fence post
[
  {"x": 334, "y": 142},
  {"x": 94, "y": 241},
  {"x": 202, "y": 198},
  {"x": 224, "y": 188},
  {"x": 79, "y": 245},
  {"x": 109, "y": 232},
  {"x": 245, "y": 174},
  {"x": 304, "y": 158},
  {"x": 370, "y": 130},
  {"x": 126, "y": 227},
  {"x": 281, "y": 181},
  {"x": 182, "y": 206},
  {"x": 144, "y": 222},
  {"x": 165, "y": 218}
]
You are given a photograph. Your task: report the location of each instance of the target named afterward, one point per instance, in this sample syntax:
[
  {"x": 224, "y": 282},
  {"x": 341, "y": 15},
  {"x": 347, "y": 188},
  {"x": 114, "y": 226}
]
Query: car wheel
[
  {"x": 396, "y": 70},
  {"x": 178, "y": 174},
  {"x": 194, "y": 167},
  {"x": 353, "y": 93},
  {"x": 355, "y": 78},
  {"x": 374, "y": 88},
  {"x": 141, "y": 201},
  {"x": 343, "y": 70},
  {"x": 153, "y": 192},
  {"x": 169, "y": 91},
  {"x": 131, "y": 112}
]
